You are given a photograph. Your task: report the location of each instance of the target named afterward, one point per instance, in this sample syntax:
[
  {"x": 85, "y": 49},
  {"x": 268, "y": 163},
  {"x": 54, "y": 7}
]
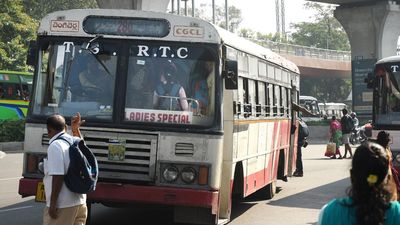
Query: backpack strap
[{"x": 59, "y": 137}]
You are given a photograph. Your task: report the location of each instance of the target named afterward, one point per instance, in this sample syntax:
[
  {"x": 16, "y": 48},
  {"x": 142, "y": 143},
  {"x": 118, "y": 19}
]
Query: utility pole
[{"x": 280, "y": 18}]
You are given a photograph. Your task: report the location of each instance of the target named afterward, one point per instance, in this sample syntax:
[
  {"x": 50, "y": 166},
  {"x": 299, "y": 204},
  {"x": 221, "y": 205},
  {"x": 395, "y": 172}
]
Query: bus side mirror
[
  {"x": 370, "y": 80},
  {"x": 31, "y": 55},
  {"x": 230, "y": 75}
]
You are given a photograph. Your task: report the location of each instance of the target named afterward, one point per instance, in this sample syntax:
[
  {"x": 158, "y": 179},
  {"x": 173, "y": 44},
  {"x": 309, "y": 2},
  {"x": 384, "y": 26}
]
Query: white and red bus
[
  {"x": 231, "y": 135},
  {"x": 386, "y": 102}
]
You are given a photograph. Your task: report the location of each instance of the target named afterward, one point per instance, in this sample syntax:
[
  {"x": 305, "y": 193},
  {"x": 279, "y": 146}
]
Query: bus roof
[
  {"x": 245, "y": 45},
  {"x": 389, "y": 59},
  {"x": 70, "y": 23},
  {"x": 305, "y": 97}
]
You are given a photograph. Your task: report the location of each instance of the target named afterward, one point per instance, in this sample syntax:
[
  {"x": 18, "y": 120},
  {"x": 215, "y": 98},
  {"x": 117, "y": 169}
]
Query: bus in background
[
  {"x": 311, "y": 104},
  {"x": 386, "y": 101},
  {"x": 330, "y": 109},
  {"x": 189, "y": 116},
  {"x": 15, "y": 89}
]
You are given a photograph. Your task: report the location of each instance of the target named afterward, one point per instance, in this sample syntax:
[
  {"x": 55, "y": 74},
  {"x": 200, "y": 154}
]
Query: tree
[
  {"x": 326, "y": 32},
  {"x": 17, "y": 28},
  {"x": 39, "y": 8},
  {"x": 235, "y": 15}
]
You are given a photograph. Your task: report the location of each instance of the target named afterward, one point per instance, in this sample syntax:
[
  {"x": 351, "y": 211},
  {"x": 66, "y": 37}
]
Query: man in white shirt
[{"x": 63, "y": 207}]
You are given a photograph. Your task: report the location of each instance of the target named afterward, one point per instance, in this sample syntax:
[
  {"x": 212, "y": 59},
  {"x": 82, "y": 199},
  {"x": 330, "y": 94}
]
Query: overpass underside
[{"x": 313, "y": 67}]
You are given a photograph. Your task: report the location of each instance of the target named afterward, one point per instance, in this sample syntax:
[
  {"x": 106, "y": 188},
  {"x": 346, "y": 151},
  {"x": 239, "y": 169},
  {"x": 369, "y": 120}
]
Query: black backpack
[
  {"x": 348, "y": 122},
  {"x": 303, "y": 131},
  {"x": 83, "y": 169}
]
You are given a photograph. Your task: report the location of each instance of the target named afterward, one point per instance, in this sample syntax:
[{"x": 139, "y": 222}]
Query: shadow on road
[{"x": 314, "y": 198}]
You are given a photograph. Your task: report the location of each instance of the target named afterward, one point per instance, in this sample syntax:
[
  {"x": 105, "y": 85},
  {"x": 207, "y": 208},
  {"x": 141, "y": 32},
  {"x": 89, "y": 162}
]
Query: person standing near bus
[
  {"x": 301, "y": 142},
  {"x": 347, "y": 127},
  {"x": 63, "y": 207}
]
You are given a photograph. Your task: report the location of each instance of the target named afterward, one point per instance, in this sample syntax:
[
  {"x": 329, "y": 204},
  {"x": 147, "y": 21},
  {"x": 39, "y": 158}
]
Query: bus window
[
  {"x": 73, "y": 79},
  {"x": 160, "y": 88}
]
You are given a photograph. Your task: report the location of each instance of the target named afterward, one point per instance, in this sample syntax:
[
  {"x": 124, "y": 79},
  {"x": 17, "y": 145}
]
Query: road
[{"x": 297, "y": 202}]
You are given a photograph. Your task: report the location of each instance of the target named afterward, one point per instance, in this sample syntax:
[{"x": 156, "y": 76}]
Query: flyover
[{"x": 373, "y": 29}]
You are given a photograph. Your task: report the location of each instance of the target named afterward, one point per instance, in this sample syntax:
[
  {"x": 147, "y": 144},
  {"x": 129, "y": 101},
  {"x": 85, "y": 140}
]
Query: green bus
[{"x": 15, "y": 90}]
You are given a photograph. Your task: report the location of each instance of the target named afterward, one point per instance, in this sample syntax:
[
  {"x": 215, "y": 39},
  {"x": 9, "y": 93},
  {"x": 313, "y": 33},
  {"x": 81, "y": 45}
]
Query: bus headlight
[
  {"x": 170, "y": 173},
  {"x": 188, "y": 175}
]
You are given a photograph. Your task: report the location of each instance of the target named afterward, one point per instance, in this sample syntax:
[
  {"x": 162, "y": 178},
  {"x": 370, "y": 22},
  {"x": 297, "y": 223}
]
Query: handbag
[{"x": 330, "y": 149}]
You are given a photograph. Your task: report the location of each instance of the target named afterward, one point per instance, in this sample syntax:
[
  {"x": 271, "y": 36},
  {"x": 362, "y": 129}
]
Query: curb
[{"x": 11, "y": 146}]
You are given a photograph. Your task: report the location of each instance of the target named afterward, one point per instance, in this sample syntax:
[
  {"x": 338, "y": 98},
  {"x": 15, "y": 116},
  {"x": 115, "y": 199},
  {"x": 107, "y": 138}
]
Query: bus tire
[{"x": 270, "y": 190}]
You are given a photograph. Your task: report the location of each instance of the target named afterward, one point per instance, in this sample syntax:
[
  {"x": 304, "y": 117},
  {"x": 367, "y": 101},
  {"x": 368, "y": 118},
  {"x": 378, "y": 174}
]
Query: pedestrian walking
[
  {"x": 63, "y": 207},
  {"x": 336, "y": 136},
  {"x": 347, "y": 127},
  {"x": 369, "y": 201}
]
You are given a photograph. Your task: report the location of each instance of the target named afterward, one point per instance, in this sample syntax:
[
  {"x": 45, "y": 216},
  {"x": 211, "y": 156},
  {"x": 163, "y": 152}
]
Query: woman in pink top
[{"x": 336, "y": 136}]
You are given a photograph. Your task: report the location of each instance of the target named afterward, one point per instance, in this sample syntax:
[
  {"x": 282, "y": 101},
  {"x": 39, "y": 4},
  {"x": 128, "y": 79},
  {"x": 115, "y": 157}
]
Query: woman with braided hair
[{"x": 368, "y": 201}]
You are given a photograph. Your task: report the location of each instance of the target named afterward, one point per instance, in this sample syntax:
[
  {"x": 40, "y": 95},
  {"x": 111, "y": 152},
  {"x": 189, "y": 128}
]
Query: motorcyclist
[
  {"x": 355, "y": 120},
  {"x": 355, "y": 135}
]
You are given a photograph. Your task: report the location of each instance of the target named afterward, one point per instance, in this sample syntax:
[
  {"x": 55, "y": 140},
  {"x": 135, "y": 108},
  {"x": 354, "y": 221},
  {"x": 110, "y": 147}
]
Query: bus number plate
[
  {"x": 40, "y": 194},
  {"x": 116, "y": 150}
]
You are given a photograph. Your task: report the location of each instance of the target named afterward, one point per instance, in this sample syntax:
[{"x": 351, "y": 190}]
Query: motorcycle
[{"x": 358, "y": 135}]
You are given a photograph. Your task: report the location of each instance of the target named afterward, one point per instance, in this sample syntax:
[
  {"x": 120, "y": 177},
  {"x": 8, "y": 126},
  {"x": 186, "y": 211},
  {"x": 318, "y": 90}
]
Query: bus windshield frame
[
  {"x": 61, "y": 58},
  {"x": 386, "y": 107}
]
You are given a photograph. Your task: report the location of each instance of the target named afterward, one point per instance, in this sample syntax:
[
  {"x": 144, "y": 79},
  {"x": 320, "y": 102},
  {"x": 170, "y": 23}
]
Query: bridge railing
[{"x": 304, "y": 51}]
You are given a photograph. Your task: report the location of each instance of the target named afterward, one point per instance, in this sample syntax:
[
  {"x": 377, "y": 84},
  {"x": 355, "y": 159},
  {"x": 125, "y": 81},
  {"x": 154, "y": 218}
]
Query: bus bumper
[{"x": 129, "y": 193}]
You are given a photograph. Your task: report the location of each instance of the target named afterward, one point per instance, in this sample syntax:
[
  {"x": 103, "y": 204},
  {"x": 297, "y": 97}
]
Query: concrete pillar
[
  {"x": 145, "y": 5},
  {"x": 373, "y": 29}
]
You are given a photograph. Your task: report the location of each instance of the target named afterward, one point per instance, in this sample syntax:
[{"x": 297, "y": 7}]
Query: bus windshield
[
  {"x": 150, "y": 82},
  {"x": 387, "y": 109}
]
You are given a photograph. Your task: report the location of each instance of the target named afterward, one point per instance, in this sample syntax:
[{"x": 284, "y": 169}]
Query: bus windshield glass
[
  {"x": 74, "y": 79},
  {"x": 150, "y": 82},
  {"x": 172, "y": 84},
  {"x": 387, "y": 111}
]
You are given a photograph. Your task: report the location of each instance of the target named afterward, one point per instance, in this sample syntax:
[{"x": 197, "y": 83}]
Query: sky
[{"x": 259, "y": 15}]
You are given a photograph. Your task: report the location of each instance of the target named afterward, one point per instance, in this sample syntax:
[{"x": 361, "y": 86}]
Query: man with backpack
[
  {"x": 347, "y": 127},
  {"x": 63, "y": 207},
  {"x": 301, "y": 142}
]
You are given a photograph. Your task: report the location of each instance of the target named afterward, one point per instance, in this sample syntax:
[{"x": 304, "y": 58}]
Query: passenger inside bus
[
  {"x": 169, "y": 94},
  {"x": 97, "y": 83},
  {"x": 201, "y": 83}
]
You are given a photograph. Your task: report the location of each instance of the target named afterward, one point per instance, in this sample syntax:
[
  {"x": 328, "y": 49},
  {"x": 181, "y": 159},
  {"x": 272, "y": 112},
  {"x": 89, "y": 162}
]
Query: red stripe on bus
[{"x": 122, "y": 193}]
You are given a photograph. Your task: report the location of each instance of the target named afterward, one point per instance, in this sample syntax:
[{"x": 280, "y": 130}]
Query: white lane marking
[
  {"x": 2, "y": 154},
  {"x": 10, "y": 178},
  {"x": 18, "y": 208}
]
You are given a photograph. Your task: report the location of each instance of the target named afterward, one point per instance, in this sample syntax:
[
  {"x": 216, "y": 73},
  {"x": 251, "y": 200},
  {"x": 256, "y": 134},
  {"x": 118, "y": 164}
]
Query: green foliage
[
  {"x": 234, "y": 14},
  {"x": 326, "y": 89},
  {"x": 326, "y": 32},
  {"x": 16, "y": 29},
  {"x": 39, "y": 8},
  {"x": 12, "y": 130}
]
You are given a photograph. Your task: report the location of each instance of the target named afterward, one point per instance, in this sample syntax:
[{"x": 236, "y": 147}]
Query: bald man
[{"x": 63, "y": 207}]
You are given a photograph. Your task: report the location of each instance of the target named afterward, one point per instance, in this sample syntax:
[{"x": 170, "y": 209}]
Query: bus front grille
[{"x": 137, "y": 161}]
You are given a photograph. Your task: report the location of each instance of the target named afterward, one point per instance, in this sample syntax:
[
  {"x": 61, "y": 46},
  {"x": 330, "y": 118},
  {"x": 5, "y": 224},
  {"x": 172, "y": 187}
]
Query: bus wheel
[{"x": 270, "y": 190}]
